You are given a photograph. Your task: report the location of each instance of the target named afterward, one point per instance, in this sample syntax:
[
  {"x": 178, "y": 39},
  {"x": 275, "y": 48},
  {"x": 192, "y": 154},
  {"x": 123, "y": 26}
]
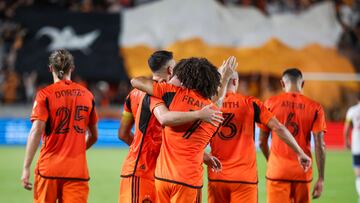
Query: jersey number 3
[
  {"x": 63, "y": 113},
  {"x": 228, "y": 124}
]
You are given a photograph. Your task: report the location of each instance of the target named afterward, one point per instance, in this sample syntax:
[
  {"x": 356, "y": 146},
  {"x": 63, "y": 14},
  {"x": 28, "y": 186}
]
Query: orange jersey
[
  {"x": 301, "y": 116},
  {"x": 68, "y": 109},
  {"x": 181, "y": 154},
  {"x": 132, "y": 101},
  {"x": 238, "y": 158},
  {"x": 145, "y": 147}
]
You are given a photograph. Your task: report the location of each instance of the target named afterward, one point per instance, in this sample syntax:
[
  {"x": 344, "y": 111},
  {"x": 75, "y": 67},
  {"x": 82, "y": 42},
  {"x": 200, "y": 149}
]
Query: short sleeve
[
  {"x": 93, "y": 115},
  {"x": 155, "y": 102},
  {"x": 319, "y": 120},
  {"x": 349, "y": 115},
  {"x": 264, "y": 115},
  {"x": 40, "y": 109},
  {"x": 161, "y": 88},
  {"x": 127, "y": 103}
]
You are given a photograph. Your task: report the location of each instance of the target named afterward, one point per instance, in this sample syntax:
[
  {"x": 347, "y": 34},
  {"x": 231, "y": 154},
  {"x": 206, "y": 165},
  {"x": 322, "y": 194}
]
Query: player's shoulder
[
  {"x": 45, "y": 91},
  {"x": 250, "y": 99},
  {"x": 275, "y": 98},
  {"x": 354, "y": 108},
  {"x": 310, "y": 102},
  {"x": 83, "y": 89},
  {"x": 170, "y": 86},
  {"x": 136, "y": 94}
]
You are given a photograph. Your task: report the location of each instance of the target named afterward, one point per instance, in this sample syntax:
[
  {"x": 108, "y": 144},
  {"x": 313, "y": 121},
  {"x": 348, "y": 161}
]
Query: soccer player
[
  {"x": 237, "y": 181},
  {"x": 149, "y": 113},
  {"x": 62, "y": 114},
  {"x": 353, "y": 120},
  {"x": 286, "y": 180},
  {"x": 178, "y": 173}
]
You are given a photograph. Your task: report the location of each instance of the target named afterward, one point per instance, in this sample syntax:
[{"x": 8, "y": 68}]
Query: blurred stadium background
[{"x": 112, "y": 39}]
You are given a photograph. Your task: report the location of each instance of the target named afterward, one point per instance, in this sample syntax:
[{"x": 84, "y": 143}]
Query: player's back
[
  {"x": 68, "y": 109},
  {"x": 301, "y": 116},
  {"x": 234, "y": 143},
  {"x": 145, "y": 147},
  {"x": 181, "y": 154}
]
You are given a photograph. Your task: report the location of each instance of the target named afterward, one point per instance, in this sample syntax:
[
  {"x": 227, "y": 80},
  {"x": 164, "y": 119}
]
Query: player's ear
[
  {"x": 282, "y": 83},
  {"x": 51, "y": 69},
  {"x": 234, "y": 82},
  {"x": 302, "y": 84},
  {"x": 169, "y": 70},
  {"x": 72, "y": 69}
]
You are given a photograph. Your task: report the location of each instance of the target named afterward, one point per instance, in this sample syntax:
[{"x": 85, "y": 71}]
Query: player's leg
[
  {"x": 163, "y": 191},
  {"x": 244, "y": 193},
  {"x": 278, "y": 191},
  {"x": 185, "y": 194},
  {"x": 301, "y": 192},
  {"x": 45, "y": 190},
  {"x": 356, "y": 164},
  {"x": 74, "y": 191},
  {"x": 218, "y": 192}
]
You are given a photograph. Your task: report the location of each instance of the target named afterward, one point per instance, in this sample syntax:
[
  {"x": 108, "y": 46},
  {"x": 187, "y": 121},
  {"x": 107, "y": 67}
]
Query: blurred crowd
[{"x": 16, "y": 88}]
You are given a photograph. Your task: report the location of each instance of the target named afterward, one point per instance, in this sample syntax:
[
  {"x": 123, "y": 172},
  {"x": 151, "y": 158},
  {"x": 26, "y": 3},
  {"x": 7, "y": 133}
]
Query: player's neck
[
  {"x": 160, "y": 77},
  {"x": 56, "y": 79},
  {"x": 231, "y": 90},
  {"x": 293, "y": 90}
]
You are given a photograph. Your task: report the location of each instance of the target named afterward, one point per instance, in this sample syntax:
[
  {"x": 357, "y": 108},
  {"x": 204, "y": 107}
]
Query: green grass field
[{"x": 105, "y": 164}]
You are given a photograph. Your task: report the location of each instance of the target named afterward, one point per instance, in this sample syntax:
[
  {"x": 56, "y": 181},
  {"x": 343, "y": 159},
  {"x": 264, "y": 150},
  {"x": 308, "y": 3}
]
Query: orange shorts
[
  {"x": 172, "y": 192},
  {"x": 287, "y": 191},
  {"x": 63, "y": 190},
  {"x": 136, "y": 189},
  {"x": 232, "y": 192}
]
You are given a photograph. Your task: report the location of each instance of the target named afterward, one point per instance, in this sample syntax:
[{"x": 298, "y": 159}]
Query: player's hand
[
  {"x": 228, "y": 67},
  {"x": 304, "y": 161},
  {"x": 213, "y": 163},
  {"x": 25, "y": 179},
  {"x": 210, "y": 115},
  {"x": 348, "y": 145},
  {"x": 318, "y": 188}
]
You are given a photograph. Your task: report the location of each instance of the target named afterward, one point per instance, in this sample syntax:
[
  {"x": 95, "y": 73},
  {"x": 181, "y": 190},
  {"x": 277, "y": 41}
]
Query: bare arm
[
  {"x": 144, "y": 84},
  {"x": 347, "y": 127},
  {"x": 263, "y": 139},
  {"x": 174, "y": 118},
  {"x": 226, "y": 70},
  {"x": 124, "y": 132},
  {"x": 320, "y": 153},
  {"x": 33, "y": 142},
  {"x": 287, "y": 137},
  {"x": 92, "y": 136},
  {"x": 212, "y": 162},
  {"x": 320, "y": 162}
]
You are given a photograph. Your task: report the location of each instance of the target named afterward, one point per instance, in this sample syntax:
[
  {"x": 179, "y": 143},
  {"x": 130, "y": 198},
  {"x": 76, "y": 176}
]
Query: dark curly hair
[{"x": 198, "y": 74}]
